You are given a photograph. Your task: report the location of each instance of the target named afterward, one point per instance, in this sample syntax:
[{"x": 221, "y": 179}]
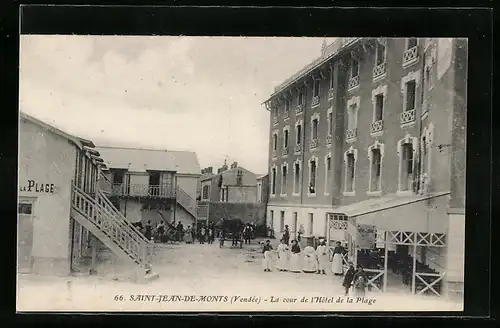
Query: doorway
[{"x": 25, "y": 216}]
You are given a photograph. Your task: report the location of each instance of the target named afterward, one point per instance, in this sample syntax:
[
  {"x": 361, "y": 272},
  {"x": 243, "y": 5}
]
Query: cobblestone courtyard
[{"x": 206, "y": 270}]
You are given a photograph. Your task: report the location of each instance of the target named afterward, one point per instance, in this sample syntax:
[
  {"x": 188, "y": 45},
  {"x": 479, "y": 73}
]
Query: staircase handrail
[
  {"x": 120, "y": 216},
  {"x": 106, "y": 221},
  {"x": 190, "y": 199}
]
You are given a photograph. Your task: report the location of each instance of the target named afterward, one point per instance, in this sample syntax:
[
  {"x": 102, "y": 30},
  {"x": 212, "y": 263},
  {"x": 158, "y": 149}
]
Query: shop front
[{"x": 400, "y": 241}]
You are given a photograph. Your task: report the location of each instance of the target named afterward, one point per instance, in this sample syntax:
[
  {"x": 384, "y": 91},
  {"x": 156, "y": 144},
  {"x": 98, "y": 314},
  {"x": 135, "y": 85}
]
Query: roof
[
  {"x": 262, "y": 176},
  {"x": 229, "y": 178},
  {"x": 331, "y": 51},
  {"x": 382, "y": 203},
  {"x": 79, "y": 142},
  {"x": 141, "y": 159}
]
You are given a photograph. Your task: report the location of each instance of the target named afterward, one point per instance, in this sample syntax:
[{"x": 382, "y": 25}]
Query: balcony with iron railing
[
  {"x": 410, "y": 56},
  {"x": 353, "y": 83},
  {"x": 377, "y": 127},
  {"x": 330, "y": 93},
  {"x": 379, "y": 71},
  {"x": 315, "y": 101},
  {"x": 328, "y": 139},
  {"x": 286, "y": 114},
  {"x": 297, "y": 149},
  {"x": 351, "y": 134},
  {"x": 299, "y": 109},
  {"x": 143, "y": 190},
  {"x": 408, "y": 117},
  {"x": 314, "y": 143}
]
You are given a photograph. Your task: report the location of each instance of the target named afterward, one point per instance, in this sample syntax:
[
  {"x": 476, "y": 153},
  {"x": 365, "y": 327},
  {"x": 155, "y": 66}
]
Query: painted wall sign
[
  {"x": 35, "y": 186},
  {"x": 366, "y": 236}
]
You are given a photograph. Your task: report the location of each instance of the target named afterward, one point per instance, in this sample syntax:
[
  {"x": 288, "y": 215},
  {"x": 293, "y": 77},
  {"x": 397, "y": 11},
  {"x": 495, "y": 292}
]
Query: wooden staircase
[
  {"x": 187, "y": 202},
  {"x": 98, "y": 215}
]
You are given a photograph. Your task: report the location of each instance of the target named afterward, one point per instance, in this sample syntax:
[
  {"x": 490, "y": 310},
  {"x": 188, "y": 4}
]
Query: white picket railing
[{"x": 104, "y": 216}]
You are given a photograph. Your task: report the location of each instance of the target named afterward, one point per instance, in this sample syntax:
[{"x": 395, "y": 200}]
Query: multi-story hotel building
[{"x": 372, "y": 134}]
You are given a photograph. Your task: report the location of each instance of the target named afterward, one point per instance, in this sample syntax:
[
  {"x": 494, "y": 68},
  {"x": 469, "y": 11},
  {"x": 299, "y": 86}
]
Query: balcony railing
[
  {"x": 297, "y": 149},
  {"x": 330, "y": 93},
  {"x": 299, "y": 109},
  {"x": 275, "y": 120},
  {"x": 314, "y": 143},
  {"x": 315, "y": 101},
  {"x": 377, "y": 126},
  {"x": 408, "y": 117},
  {"x": 379, "y": 71},
  {"x": 351, "y": 134},
  {"x": 353, "y": 82},
  {"x": 143, "y": 190},
  {"x": 328, "y": 139},
  {"x": 286, "y": 114},
  {"x": 410, "y": 56},
  {"x": 285, "y": 151}
]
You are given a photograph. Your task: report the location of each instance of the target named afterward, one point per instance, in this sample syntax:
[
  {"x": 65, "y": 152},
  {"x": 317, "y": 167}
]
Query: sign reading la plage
[{"x": 38, "y": 187}]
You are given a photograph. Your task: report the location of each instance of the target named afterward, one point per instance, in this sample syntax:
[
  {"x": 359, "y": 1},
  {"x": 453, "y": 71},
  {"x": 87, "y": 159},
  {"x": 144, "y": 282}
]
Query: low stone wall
[{"x": 246, "y": 212}]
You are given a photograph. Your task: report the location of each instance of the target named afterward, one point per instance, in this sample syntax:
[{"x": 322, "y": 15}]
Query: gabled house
[{"x": 153, "y": 185}]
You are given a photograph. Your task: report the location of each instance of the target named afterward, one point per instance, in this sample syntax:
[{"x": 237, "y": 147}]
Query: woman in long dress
[
  {"x": 310, "y": 260},
  {"x": 295, "y": 263},
  {"x": 267, "y": 256},
  {"x": 323, "y": 257},
  {"x": 282, "y": 263},
  {"x": 337, "y": 268}
]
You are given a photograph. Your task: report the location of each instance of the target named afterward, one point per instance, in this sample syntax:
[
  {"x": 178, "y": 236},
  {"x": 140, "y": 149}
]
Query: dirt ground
[{"x": 205, "y": 277}]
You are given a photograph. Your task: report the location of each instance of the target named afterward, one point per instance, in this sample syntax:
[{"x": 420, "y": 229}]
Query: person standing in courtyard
[
  {"x": 348, "y": 278},
  {"x": 338, "y": 252},
  {"x": 267, "y": 256},
  {"x": 210, "y": 234},
  {"x": 295, "y": 263},
  {"x": 323, "y": 257},
  {"x": 310, "y": 259},
  {"x": 202, "y": 235},
  {"x": 193, "y": 233},
  {"x": 282, "y": 262},
  {"x": 188, "y": 238},
  {"x": 360, "y": 282},
  {"x": 286, "y": 235},
  {"x": 148, "y": 230}
]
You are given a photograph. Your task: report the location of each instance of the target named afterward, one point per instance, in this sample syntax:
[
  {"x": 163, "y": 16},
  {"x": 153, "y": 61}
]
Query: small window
[
  {"x": 332, "y": 71},
  {"x": 299, "y": 134},
  {"x": 284, "y": 180},
  {"x": 379, "y": 107},
  {"x": 25, "y": 208},
  {"x": 310, "y": 224},
  {"x": 330, "y": 123},
  {"x": 273, "y": 181},
  {"x": 300, "y": 96},
  {"x": 380, "y": 54},
  {"x": 296, "y": 180},
  {"x": 271, "y": 214},
  {"x": 287, "y": 105},
  {"x": 412, "y": 42},
  {"x": 275, "y": 141},
  {"x": 352, "y": 117},
  {"x": 350, "y": 173},
  {"x": 316, "y": 88},
  {"x": 285, "y": 136},
  {"x": 354, "y": 68},
  {"x": 375, "y": 170},
  {"x": 407, "y": 167},
  {"x": 328, "y": 163},
  {"x": 410, "y": 95},
  {"x": 312, "y": 183},
  {"x": 315, "y": 129},
  {"x": 282, "y": 221}
]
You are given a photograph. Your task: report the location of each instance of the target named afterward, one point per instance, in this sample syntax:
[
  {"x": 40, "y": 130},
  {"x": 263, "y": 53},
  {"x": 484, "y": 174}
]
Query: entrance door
[
  {"x": 25, "y": 235},
  {"x": 295, "y": 225}
]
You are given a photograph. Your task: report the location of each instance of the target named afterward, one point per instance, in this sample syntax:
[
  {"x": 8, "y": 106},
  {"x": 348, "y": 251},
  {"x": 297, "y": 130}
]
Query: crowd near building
[{"x": 367, "y": 147}]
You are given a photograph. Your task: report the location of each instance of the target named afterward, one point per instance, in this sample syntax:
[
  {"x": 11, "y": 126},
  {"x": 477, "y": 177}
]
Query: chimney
[{"x": 234, "y": 165}]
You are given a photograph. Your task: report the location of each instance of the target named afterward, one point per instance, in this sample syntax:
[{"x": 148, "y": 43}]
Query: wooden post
[
  {"x": 386, "y": 259},
  {"x": 93, "y": 244},
  {"x": 413, "y": 275}
]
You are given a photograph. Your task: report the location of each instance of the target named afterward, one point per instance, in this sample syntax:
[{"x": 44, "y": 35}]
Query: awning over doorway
[{"x": 417, "y": 213}]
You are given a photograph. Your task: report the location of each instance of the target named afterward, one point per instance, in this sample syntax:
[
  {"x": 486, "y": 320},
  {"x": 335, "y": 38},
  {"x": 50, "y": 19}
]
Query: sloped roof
[
  {"x": 140, "y": 159},
  {"x": 79, "y": 142}
]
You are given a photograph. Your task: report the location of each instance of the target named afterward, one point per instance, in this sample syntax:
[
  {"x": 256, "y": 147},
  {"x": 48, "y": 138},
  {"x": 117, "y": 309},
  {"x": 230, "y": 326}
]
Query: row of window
[
  {"x": 338, "y": 221},
  {"x": 406, "y": 149},
  {"x": 379, "y": 95}
]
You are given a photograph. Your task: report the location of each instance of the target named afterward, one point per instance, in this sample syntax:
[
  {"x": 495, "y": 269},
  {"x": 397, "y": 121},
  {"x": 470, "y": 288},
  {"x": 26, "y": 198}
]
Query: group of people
[
  {"x": 310, "y": 260},
  {"x": 165, "y": 232}
]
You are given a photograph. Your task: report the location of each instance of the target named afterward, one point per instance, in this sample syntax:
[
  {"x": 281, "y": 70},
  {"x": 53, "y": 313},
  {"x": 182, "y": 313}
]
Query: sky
[{"x": 201, "y": 94}]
